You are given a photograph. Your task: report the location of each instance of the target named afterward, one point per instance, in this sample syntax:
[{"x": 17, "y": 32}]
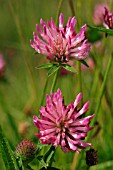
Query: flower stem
[
  {"x": 80, "y": 80},
  {"x": 55, "y": 80},
  {"x": 72, "y": 7},
  {"x": 99, "y": 102},
  {"x": 102, "y": 88},
  {"x": 79, "y": 64},
  {"x": 75, "y": 159},
  {"x": 58, "y": 11}
]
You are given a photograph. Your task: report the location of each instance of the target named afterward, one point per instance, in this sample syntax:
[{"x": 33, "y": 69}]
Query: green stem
[
  {"x": 100, "y": 76},
  {"x": 102, "y": 89},
  {"x": 99, "y": 102},
  {"x": 58, "y": 11},
  {"x": 80, "y": 80},
  {"x": 55, "y": 80},
  {"x": 79, "y": 77},
  {"x": 79, "y": 64},
  {"x": 72, "y": 7}
]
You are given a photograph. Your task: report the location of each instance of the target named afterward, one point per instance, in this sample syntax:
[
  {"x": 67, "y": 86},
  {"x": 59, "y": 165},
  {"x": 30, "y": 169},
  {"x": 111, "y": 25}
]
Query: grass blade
[
  {"x": 7, "y": 155},
  {"x": 9, "y": 116}
]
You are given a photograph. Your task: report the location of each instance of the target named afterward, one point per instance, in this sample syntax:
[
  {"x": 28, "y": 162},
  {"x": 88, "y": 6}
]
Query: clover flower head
[
  {"x": 98, "y": 15},
  {"x": 60, "y": 44},
  {"x": 63, "y": 125},
  {"x": 108, "y": 19}
]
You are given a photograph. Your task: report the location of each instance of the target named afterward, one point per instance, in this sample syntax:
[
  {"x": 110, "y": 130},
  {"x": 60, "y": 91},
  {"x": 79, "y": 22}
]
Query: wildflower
[
  {"x": 2, "y": 66},
  {"x": 98, "y": 16},
  {"x": 62, "y": 125},
  {"x": 26, "y": 150},
  {"x": 60, "y": 44},
  {"x": 108, "y": 19}
]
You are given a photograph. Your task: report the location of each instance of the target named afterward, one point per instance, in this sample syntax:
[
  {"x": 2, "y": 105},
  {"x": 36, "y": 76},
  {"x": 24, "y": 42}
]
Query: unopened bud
[{"x": 91, "y": 157}]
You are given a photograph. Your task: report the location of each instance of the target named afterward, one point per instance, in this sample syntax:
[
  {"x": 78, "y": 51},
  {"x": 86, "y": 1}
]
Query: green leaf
[
  {"x": 49, "y": 154},
  {"x": 69, "y": 68},
  {"x": 94, "y": 35},
  {"x": 7, "y": 155},
  {"x": 40, "y": 159},
  {"x": 28, "y": 167},
  {"x": 45, "y": 66},
  {"x": 54, "y": 68},
  {"x": 108, "y": 31},
  {"x": 84, "y": 62}
]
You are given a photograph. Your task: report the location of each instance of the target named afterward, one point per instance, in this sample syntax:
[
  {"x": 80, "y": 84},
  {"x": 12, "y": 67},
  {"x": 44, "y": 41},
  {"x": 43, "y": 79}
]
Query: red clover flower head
[
  {"x": 99, "y": 11},
  {"x": 61, "y": 43},
  {"x": 63, "y": 125},
  {"x": 108, "y": 19}
]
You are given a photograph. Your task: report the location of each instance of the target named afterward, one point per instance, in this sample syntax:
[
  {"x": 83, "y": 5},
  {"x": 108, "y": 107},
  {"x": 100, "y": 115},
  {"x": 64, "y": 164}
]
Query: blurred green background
[{"x": 22, "y": 86}]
